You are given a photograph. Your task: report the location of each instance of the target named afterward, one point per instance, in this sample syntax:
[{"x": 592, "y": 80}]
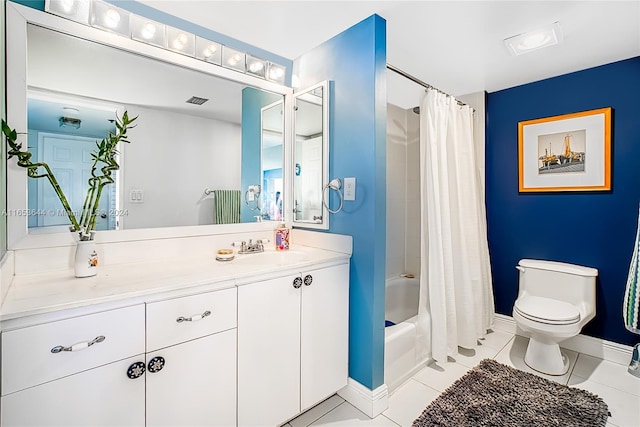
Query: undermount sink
[{"x": 272, "y": 258}]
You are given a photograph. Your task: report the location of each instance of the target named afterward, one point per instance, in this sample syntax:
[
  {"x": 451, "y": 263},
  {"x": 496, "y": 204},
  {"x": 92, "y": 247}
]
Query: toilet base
[{"x": 546, "y": 358}]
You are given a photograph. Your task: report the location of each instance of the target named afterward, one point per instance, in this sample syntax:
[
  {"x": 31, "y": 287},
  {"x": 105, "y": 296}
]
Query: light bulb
[
  {"x": 210, "y": 50},
  {"x": 256, "y": 66},
  {"x": 111, "y": 18},
  {"x": 235, "y": 59},
  {"x": 148, "y": 31},
  {"x": 67, "y": 5},
  {"x": 180, "y": 41},
  {"x": 276, "y": 73}
]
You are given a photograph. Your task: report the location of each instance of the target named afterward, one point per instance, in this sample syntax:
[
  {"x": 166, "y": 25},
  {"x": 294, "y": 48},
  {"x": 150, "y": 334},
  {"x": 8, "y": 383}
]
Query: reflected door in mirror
[{"x": 70, "y": 160}]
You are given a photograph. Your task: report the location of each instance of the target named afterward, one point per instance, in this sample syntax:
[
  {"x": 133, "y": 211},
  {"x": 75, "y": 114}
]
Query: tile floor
[{"x": 610, "y": 381}]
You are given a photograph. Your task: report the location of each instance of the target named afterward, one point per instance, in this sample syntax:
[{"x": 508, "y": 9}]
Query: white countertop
[{"x": 31, "y": 294}]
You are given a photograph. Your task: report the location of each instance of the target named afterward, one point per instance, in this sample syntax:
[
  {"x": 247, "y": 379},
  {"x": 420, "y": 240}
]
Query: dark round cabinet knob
[
  {"x": 136, "y": 370},
  {"x": 308, "y": 280},
  {"x": 156, "y": 364},
  {"x": 297, "y": 282}
]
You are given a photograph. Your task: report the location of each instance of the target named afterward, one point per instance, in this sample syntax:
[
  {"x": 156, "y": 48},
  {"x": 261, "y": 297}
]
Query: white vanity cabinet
[
  {"x": 74, "y": 372},
  {"x": 292, "y": 343},
  {"x": 169, "y": 362},
  {"x": 191, "y": 360}
]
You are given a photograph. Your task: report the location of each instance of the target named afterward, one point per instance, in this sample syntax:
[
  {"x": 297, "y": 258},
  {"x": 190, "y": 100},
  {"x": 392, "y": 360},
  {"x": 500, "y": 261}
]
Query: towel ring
[
  {"x": 255, "y": 190},
  {"x": 335, "y": 184}
]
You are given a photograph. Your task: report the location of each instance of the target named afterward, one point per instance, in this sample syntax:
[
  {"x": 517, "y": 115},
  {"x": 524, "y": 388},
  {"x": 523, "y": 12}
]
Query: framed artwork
[{"x": 571, "y": 152}]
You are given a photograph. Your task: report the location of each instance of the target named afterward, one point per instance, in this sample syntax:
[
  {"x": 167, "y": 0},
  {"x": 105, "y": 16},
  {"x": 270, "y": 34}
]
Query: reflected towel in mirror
[{"x": 226, "y": 206}]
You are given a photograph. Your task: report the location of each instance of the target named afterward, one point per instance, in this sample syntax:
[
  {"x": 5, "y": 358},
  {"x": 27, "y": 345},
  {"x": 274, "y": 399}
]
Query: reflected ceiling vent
[
  {"x": 197, "y": 101},
  {"x": 70, "y": 122}
]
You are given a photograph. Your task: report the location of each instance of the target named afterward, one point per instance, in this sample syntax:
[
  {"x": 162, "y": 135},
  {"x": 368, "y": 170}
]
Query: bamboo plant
[{"x": 104, "y": 163}]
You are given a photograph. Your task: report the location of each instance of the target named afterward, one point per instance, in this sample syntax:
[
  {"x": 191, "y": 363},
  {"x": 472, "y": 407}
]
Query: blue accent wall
[
  {"x": 355, "y": 62},
  {"x": 595, "y": 229},
  {"x": 252, "y": 101}
]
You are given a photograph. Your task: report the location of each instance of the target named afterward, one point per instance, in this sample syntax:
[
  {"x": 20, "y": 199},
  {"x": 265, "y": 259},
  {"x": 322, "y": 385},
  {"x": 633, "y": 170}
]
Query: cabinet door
[
  {"x": 194, "y": 384},
  {"x": 324, "y": 334},
  {"x": 268, "y": 352},
  {"x": 103, "y": 396}
]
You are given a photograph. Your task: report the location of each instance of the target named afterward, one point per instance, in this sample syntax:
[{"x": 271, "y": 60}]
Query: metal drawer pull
[
  {"x": 79, "y": 346},
  {"x": 194, "y": 318}
]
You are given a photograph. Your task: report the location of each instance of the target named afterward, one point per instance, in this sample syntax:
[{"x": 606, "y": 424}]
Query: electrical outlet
[{"x": 349, "y": 188}]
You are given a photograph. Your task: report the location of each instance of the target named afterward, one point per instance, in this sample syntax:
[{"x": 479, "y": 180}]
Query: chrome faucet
[{"x": 252, "y": 248}]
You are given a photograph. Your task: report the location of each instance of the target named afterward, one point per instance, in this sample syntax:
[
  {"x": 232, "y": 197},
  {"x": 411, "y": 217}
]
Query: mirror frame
[
  {"x": 324, "y": 225},
  {"x": 17, "y": 18}
]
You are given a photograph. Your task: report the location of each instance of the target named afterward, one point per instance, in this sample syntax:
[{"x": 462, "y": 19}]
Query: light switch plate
[
  {"x": 349, "y": 188},
  {"x": 136, "y": 196}
]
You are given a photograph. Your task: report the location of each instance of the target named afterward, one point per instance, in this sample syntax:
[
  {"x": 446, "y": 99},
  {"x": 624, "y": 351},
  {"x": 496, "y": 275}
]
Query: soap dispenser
[{"x": 281, "y": 237}]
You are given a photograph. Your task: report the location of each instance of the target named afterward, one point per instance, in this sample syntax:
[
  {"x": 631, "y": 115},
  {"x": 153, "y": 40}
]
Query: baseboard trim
[
  {"x": 371, "y": 402},
  {"x": 596, "y": 347}
]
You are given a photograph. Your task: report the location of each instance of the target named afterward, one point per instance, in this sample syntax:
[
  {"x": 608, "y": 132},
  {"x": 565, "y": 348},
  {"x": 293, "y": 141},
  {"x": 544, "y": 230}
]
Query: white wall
[
  {"x": 403, "y": 192},
  {"x": 412, "y": 246},
  {"x": 396, "y": 189},
  {"x": 172, "y": 162}
]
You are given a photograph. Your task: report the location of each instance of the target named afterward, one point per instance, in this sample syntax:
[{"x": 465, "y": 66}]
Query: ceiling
[{"x": 456, "y": 46}]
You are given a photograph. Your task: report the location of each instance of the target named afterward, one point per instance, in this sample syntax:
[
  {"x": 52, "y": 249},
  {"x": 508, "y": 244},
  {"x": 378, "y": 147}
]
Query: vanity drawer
[
  {"x": 28, "y": 359},
  {"x": 182, "y": 319}
]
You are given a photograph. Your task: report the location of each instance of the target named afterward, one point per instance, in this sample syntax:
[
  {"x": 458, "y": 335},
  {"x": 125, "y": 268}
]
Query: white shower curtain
[{"x": 455, "y": 277}]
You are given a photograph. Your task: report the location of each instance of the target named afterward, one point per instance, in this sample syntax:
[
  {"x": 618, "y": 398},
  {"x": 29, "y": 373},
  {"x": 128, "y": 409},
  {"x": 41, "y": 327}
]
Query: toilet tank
[{"x": 574, "y": 284}]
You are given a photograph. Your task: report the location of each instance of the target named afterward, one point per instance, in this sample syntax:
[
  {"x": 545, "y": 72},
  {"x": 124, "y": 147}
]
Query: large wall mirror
[
  {"x": 199, "y": 129},
  {"x": 311, "y": 156}
]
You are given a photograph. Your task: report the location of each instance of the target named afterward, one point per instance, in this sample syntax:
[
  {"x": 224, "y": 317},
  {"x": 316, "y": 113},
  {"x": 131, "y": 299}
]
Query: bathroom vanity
[
  {"x": 174, "y": 343},
  {"x": 164, "y": 334}
]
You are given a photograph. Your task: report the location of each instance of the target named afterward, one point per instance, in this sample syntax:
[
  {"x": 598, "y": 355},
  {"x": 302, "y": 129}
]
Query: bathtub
[{"x": 401, "y": 307}]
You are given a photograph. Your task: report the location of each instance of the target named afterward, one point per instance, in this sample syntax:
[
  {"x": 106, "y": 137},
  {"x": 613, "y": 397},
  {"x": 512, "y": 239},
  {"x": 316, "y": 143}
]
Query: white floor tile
[
  {"x": 607, "y": 373},
  {"x": 408, "y": 401},
  {"x": 513, "y": 355},
  {"x": 440, "y": 376},
  {"x": 471, "y": 358},
  {"x": 346, "y": 415},
  {"x": 624, "y": 408},
  {"x": 312, "y": 414},
  {"x": 496, "y": 339}
]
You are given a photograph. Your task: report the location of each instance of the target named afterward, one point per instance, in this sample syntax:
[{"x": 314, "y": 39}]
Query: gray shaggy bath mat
[{"x": 492, "y": 394}]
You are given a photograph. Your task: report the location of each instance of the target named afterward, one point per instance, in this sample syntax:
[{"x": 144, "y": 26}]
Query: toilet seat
[{"x": 546, "y": 310}]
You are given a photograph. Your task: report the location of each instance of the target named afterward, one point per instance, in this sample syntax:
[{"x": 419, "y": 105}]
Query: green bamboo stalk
[
  {"x": 107, "y": 149},
  {"x": 24, "y": 160}
]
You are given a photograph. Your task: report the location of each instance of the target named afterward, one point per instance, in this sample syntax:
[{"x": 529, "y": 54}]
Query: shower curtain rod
[{"x": 421, "y": 83}]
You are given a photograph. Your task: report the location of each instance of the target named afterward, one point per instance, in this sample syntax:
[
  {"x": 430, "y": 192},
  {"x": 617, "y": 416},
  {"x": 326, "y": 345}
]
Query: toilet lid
[{"x": 547, "y": 310}]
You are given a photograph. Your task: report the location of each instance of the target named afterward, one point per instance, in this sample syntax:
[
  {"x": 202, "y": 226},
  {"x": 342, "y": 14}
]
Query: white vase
[{"x": 86, "y": 262}]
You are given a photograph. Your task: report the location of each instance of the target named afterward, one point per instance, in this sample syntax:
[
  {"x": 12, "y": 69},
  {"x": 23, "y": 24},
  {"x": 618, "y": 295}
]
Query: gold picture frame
[{"x": 570, "y": 152}]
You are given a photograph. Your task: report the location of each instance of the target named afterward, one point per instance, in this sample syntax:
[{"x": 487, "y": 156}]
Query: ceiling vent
[
  {"x": 70, "y": 122},
  {"x": 197, "y": 101}
]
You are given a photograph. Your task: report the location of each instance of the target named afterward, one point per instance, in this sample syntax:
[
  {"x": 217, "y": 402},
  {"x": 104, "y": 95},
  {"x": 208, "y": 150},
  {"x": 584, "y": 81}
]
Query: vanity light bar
[{"x": 107, "y": 17}]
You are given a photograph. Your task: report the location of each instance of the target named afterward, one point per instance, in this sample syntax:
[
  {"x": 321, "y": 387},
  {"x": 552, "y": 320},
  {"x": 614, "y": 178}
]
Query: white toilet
[{"x": 555, "y": 300}]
